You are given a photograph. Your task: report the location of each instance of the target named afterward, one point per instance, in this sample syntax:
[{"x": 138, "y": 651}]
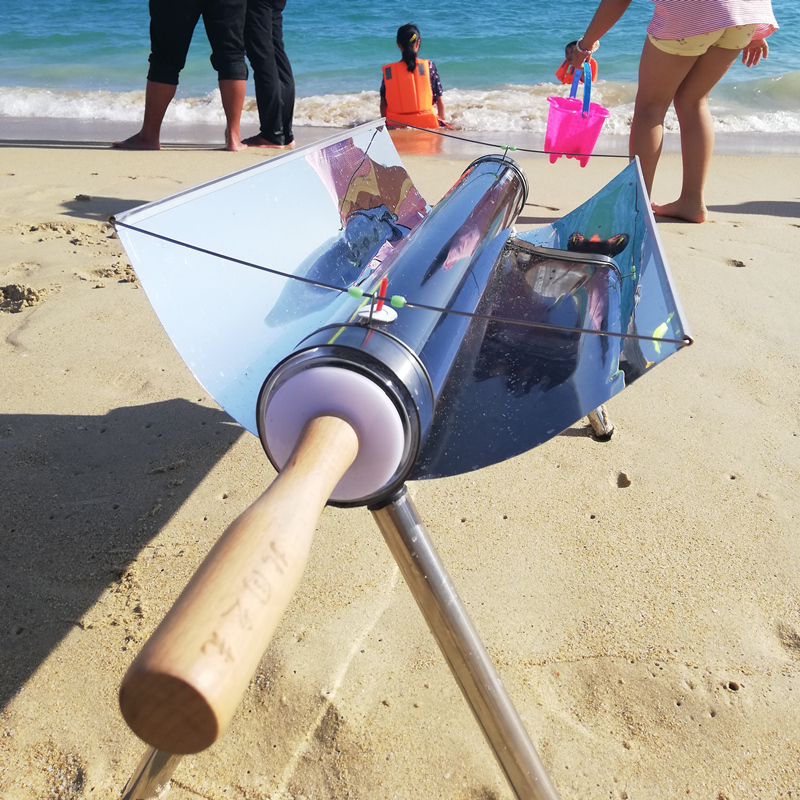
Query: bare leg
[
  {"x": 233, "y": 93},
  {"x": 697, "y": 132},
  {"x": 660, "y": 75},
  {"x": 157, "y": 98}
]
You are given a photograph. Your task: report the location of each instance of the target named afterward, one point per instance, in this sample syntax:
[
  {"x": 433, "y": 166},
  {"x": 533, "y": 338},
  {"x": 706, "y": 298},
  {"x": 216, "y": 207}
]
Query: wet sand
[{"x": 639, "y": 596}]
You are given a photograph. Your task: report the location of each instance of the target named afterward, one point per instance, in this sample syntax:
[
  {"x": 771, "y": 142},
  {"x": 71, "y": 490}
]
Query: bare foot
[
  {"x": 233, "y": 143},
  {"x": 680, "y": 209},
  {"x": 137, "y": 142},
  {"x": 259, "y": 141}
]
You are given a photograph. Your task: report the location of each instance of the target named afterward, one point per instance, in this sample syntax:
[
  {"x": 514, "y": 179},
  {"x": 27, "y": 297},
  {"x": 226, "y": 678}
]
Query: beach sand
[{"x": 640, "y": 597}]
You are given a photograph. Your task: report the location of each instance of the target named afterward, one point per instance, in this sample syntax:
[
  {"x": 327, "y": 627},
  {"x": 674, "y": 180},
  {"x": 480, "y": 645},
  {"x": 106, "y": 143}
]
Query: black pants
[
  {"x": 272, "y": 73},
  {"x": 172, "y": 23}
]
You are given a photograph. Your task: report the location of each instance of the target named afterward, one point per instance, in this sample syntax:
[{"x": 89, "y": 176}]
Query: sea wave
[{"x": 764, "y": 105}]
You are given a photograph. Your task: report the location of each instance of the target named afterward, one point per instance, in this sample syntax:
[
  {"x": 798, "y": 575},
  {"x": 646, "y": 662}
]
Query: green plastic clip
[
  {"x": 354, "y": 291},
  {"x": 398, "y": 301}
]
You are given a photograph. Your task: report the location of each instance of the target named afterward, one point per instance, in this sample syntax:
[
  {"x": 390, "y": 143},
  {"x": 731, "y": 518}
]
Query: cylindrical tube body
[
  {"x": 444, "y": 265},
  {"x": 449, "y": 258}
]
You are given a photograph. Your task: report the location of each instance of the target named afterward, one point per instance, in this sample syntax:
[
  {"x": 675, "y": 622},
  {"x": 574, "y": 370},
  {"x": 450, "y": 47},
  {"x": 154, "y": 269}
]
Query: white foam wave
[{"x": 505, "y": 108}]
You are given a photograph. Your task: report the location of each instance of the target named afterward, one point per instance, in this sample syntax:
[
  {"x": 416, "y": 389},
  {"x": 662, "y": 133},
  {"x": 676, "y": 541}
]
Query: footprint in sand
[
  {"x": 122, "y": 272},
  {"x": 14, "y": 297},
  {"x": 790, "y": 639},
  {"x": 65, "y": 771}
]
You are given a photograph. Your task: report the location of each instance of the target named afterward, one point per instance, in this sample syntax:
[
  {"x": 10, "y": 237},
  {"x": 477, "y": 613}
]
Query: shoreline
[{"x": 34, "y": 132}]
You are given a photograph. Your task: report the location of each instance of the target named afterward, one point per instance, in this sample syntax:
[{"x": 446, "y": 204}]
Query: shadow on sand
[
  {"x": 769, "y": 208},
  {"x": 98, "y": 209},
  {"x": 82, "y": 495}
]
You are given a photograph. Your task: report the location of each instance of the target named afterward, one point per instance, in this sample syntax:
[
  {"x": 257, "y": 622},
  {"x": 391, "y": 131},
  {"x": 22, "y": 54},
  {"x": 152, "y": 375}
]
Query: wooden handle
[{"x": 183, "y": 688}]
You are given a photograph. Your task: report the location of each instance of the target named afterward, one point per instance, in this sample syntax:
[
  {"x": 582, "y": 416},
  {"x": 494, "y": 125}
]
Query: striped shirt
[{"x": 677, "y": 19}]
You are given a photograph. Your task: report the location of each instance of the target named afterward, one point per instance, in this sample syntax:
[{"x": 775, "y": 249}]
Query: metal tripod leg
[
  {"x": 459, "y": 641},
  {"x": 462, "y": 648},
  {"x": 152, "y": 775},
  {"x": 600, "y": 422}
]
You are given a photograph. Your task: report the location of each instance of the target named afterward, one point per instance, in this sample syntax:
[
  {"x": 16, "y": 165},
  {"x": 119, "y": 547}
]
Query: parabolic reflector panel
[
  {"x": 519, "y": 335},
  {"x": 598, "y": 309},
  {"x": 230, "y": 267}
]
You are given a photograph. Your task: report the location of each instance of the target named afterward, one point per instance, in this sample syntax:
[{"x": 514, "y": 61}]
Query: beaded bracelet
[{"x": 586, "y": 52}]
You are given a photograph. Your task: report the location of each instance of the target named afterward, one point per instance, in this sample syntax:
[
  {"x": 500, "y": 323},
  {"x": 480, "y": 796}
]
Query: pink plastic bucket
[{"x": 574, "y": 125}]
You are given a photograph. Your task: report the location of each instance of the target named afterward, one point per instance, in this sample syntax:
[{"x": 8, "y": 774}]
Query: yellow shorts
[{"x": 734, "y": 38}]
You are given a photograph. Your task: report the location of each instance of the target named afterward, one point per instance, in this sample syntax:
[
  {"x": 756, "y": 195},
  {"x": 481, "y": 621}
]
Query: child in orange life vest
[
  {"x": 411, "y": 87},
  {"x": 566, "y": 72}
]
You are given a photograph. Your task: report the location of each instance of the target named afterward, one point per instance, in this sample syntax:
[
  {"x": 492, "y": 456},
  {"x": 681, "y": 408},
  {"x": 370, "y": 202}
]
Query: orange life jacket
[
  {"x": 566, "y": 72},
  {"x": 409, "y": 97}
]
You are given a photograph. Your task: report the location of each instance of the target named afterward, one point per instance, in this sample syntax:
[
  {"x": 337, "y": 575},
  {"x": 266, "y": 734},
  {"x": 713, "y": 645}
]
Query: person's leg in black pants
[
  {"x": 172, "y": 24},
  {"x": 171, "y": 27},
  {"x": 272, "y": 73},
  {"x": 224, "y": 23}
]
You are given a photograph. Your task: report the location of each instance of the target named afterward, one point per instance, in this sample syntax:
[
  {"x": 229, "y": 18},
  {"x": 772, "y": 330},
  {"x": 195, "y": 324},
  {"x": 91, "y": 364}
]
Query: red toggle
[{"x": 382, "y": 293}]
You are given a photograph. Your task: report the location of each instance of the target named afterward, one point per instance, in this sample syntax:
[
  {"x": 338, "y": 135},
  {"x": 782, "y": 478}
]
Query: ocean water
[{"x": 87, "y": 60}]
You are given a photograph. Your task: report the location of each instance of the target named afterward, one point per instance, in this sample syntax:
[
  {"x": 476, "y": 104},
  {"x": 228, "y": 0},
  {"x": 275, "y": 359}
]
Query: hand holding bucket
[{"x": 573, "y": 126}]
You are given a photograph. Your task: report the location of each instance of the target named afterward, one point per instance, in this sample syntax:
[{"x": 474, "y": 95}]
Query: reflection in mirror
[{"x": 518, "y": 335}]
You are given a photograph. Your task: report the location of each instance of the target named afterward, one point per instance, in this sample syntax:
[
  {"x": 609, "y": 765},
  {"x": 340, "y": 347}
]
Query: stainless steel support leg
[
  {"x": 473, "y": 669},
  {"x": 600, "y": 422},
  {"x": 151, "y": 778}
]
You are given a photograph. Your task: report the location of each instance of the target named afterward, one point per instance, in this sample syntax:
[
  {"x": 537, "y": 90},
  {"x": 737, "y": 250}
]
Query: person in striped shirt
[{"x": 690, "y": 45}]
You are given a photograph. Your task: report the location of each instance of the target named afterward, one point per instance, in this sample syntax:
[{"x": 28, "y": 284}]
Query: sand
[{"x": 639, "y": 596}]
